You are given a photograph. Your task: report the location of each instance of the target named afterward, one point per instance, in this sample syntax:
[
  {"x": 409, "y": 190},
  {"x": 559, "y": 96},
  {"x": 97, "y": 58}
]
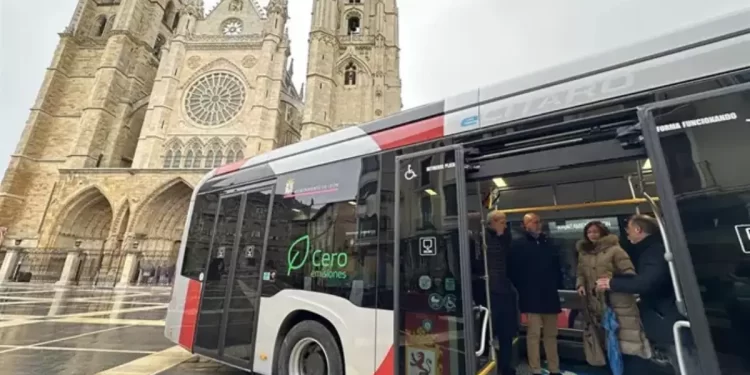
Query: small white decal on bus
[
  {"x": 427, "y": 246},
  {"x": 440, "y": 167},
  {"x": 743, "y": 235},
  {"x": 425, "y": 282},
  {"x": 696, "y": 122},
  {"x": 409, "y": 174}
]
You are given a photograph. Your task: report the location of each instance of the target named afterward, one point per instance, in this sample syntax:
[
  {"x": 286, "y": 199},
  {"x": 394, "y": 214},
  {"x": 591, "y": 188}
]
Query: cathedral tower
[
  {"x": 102, "y": 70},
  {"x": 353, "y": 64},
  {"x": 144, "y": 97}
]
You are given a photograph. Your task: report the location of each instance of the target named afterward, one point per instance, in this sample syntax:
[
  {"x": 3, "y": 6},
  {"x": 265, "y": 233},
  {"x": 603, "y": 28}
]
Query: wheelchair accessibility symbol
[{"x": 409, "y": 174}]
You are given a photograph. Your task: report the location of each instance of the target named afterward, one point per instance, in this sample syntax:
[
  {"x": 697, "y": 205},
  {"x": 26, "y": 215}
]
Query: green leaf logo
[{"x": 297, "y": 256}]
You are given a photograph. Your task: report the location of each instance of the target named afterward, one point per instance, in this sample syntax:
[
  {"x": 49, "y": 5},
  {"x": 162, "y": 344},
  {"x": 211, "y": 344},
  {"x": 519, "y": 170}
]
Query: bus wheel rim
[{"x": 299, "y": 355}]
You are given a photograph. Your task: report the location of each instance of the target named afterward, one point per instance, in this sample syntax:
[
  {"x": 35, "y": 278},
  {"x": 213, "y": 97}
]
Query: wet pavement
[{"x": 82, "y": 331}]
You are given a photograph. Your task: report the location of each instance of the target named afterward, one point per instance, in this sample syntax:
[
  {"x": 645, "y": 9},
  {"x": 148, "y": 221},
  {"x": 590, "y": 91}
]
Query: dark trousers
[{"x": 505, "y": 328}]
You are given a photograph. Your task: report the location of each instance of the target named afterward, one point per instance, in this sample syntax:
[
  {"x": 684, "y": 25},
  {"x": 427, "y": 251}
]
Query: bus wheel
[{"x": 309, "y": 349}]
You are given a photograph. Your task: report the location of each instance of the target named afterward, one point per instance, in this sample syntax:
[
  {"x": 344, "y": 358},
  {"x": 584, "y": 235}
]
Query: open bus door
[
  {"x": 438, "y": 330},
  {"x": 698, "y": 149}
]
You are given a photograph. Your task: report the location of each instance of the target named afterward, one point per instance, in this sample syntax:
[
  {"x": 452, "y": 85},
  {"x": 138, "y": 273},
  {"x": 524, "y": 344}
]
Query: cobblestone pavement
[{"x": 82, "y": 331}]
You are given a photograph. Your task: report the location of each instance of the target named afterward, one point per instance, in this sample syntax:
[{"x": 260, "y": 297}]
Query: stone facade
[
  {"x": 143, "y": 97},
  {"x": 353, "y": 68}
]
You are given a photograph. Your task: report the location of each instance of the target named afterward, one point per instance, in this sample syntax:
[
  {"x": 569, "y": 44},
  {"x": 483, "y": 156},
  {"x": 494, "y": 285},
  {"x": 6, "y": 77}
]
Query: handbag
[{"x": 592, "y": 339}]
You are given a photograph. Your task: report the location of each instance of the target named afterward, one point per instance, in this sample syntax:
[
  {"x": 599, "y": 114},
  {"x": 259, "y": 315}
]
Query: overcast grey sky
[{"x": 447, "y": 46}]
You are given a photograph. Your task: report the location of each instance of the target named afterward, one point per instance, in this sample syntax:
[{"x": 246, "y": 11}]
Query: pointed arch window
[
  {"x": 173, "y": 156},
  {"x": 234, "y": 152},
  {"x": 233, "y": 156},
  {"x": 209, "y": 161},
  {"x": 350, "y": 75},
  {"x": 239, "y": 155},
  {"x": 189, "y": 159},
  {"x": 100, "y": 26},
  {"x": 353, "y": 25},
  {"x": 218, "y": 159},
  {"x": 198, "y": 159},
  {"x": 177, "y": 159},
  {"x": 168, "y": 159},
  {"x": 194, "y": 157},
  {"x": 215, "y": 155}
]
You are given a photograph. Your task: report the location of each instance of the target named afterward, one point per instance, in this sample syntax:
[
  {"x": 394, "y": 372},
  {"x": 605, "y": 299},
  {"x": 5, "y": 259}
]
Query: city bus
[{"x": 350, "y": 253}]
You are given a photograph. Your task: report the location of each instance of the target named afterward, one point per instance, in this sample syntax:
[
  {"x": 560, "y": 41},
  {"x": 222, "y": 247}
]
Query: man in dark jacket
[
  {"x": 535, "y": 272},
  {"x": 502, "y": 295},
  {"x": 654, "y": 286}
]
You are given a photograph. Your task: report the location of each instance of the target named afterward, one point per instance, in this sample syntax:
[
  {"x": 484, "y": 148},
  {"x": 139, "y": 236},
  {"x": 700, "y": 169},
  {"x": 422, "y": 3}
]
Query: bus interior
[
  {"x": 566, "y": 199},
  {"x": 569, "y": 176}
]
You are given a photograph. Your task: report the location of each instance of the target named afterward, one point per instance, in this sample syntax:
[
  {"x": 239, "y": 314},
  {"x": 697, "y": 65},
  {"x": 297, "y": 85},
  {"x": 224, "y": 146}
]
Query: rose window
[
  {"x": 232, "y": 27},
  {"x": 215, "y": 99}
]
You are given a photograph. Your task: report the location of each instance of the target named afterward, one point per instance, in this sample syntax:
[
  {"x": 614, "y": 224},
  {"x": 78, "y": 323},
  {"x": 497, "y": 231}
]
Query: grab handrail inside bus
[
  {"x": 668, "y": 256},
  {"x": 573, "y": 206}
]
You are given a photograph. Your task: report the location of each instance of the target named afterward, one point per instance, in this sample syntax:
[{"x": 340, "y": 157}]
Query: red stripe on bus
[
  {"x": 386, "y": 367},
  {"x": 417, "y": 132},
  {"x": 190, "y": 314},
  {"x": 231, "y": 167}
]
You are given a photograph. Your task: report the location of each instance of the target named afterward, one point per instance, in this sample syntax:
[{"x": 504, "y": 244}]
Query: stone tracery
[
  {"x": 215, "y": 99},
  {"x": 197, "y": 155}
]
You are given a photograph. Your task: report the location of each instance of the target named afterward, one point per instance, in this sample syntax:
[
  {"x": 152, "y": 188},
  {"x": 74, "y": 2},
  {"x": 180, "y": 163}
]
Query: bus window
[
  {"x": 324, "y": 233},
  {"x": 199, "y": 235}
]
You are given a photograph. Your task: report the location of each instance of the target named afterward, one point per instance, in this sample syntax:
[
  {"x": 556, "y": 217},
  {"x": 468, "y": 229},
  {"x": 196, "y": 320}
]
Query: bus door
[
  {"x": 231, "y": 294},
  {"x": 438, "y": 329},
  {"x": 699, "y": 149}
]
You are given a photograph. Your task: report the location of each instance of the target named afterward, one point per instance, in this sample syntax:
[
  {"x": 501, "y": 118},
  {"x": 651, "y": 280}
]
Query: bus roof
[{"x": 718, "y": 45}]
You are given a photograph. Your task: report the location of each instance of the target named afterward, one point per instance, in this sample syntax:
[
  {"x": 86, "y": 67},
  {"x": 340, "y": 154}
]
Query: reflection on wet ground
[{"x": 81, "y": 331}]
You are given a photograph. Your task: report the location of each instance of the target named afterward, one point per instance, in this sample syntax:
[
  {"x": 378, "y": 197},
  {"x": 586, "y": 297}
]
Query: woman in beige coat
[{"x": 600, "y": 255}]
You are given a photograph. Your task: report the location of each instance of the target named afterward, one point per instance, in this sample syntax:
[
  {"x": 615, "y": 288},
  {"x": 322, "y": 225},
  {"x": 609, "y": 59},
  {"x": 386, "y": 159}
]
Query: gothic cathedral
[{"x": 143, "y": 97}]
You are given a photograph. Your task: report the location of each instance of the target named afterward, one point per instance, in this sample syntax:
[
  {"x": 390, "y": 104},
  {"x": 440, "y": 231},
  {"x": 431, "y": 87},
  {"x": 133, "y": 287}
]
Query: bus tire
[{"x": 306, "y": 335}]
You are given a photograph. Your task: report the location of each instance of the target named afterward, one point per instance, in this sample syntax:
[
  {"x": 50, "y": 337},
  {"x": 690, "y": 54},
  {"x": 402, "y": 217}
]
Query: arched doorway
[
  {"x": 83, "y": 224},
  {"x": 158, "y": 227}
]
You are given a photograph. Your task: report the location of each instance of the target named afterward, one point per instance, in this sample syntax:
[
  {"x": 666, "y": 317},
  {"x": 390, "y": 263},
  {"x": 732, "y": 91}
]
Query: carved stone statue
[
  {"x": 235, "y": 5},
  {"x": 350, "y": 77}
]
